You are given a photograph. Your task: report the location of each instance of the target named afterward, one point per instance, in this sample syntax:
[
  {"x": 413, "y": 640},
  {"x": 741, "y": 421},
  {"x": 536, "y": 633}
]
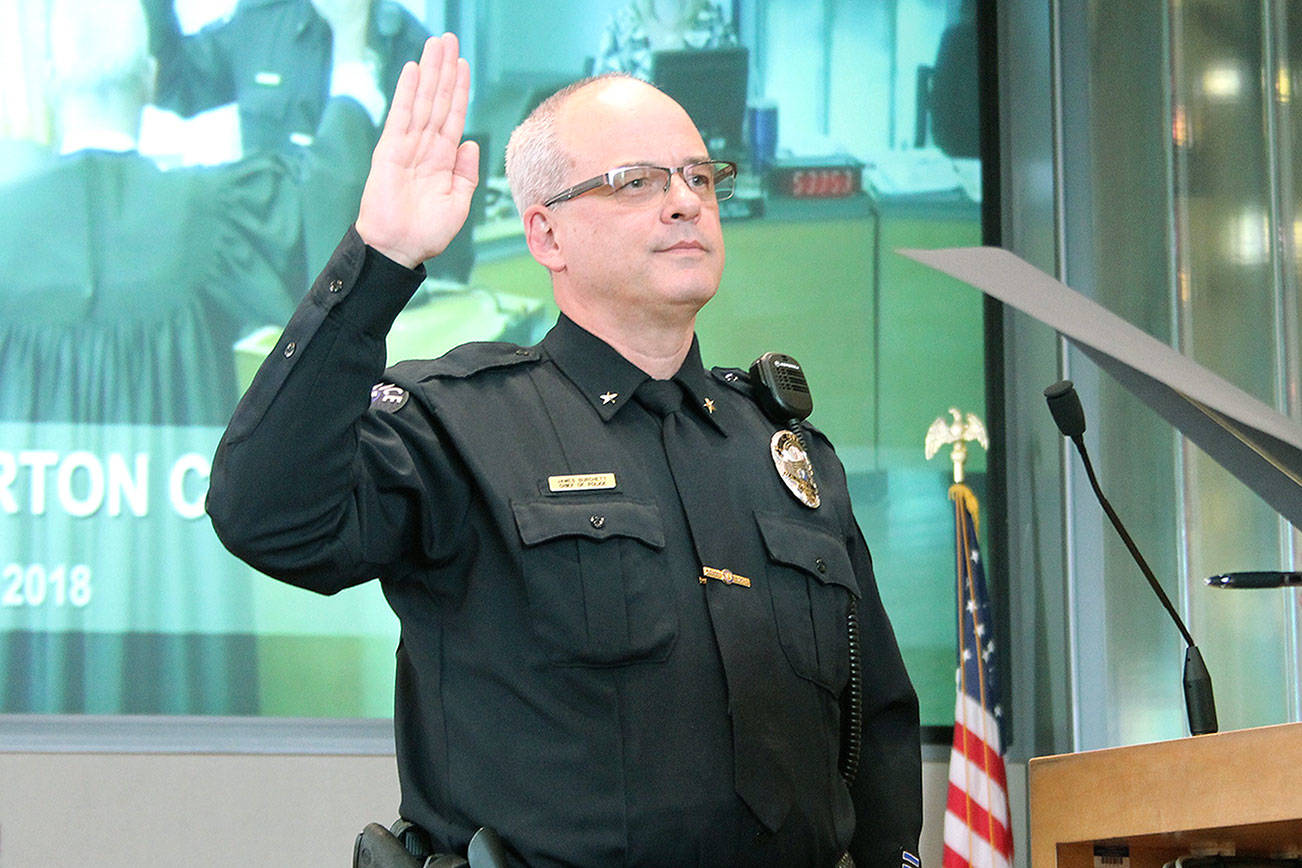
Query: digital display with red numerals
[{"x": 820, "y": 183}]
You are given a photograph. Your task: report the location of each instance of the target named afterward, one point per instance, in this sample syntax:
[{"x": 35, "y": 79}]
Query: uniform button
[
  {"x": 597, "y": 521},
  {"x": 821, "y": 564},
  {"x": 289, "y": 349},
  {"x": 336, "y": 285}
]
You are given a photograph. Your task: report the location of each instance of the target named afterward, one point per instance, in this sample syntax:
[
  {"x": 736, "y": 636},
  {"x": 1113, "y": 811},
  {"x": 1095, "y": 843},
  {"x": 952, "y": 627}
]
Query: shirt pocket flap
[
  {"x": 807, "y": 548},
  {"x": 541, "y": 520}
]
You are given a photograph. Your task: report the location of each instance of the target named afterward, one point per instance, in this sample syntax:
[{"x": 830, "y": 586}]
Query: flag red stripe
[
  {"x": 954, "y": 859},
  {"x": 980, "y": 821},
  {"x": 980, "y": 754}
]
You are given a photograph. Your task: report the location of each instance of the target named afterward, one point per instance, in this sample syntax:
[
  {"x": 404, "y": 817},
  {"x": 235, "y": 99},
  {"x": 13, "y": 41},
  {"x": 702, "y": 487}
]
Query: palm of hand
[{"x": 417, "y": 196}]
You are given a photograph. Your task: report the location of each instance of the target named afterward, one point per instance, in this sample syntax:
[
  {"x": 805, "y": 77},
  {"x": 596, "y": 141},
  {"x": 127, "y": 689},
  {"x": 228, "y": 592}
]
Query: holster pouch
[
  {"x": 486, "y": 850},
  {"x": 407, "y": 847},
  {"x": 376, "y": 847}
]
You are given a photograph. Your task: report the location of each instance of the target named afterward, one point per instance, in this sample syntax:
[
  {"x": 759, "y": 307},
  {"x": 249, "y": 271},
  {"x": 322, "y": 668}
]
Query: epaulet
[
  {"x": 734, "y": 378},
  {"x": 473, "y": 358},
  {"x": 391, "y": 394}
]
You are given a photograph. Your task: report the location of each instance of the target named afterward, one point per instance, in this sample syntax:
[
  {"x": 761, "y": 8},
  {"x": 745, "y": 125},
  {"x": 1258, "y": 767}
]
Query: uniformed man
[{"x": 624, "y": 629}]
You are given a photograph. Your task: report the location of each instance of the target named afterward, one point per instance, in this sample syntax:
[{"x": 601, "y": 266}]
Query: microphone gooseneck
[{"x": 1065, "y": 406}]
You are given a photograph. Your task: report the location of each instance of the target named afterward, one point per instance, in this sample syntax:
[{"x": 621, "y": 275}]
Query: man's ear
[{"x": 540, "y": 235}]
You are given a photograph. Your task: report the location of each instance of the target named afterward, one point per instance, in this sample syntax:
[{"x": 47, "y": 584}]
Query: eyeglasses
[{"x": 637, "y": 185}]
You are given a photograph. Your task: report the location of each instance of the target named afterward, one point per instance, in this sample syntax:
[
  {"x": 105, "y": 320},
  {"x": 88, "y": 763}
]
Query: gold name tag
[{"x": 581, "y": 482}]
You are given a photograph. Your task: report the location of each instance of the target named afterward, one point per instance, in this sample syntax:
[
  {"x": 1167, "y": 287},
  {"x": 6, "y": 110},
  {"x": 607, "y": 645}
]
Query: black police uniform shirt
[{"x": 568, "y": 673}]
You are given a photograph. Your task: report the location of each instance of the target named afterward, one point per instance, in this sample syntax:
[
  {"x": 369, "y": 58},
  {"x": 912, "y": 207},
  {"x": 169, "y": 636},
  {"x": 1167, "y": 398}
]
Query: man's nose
[{"x": 681, "y": 202}]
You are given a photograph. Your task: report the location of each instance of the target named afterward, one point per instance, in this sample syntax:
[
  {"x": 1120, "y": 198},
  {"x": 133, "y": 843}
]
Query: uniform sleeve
[
  {"x": 887, "y": 792},
  {"x": 308, "y": 484},
  {"x": 193, "y": 71}
]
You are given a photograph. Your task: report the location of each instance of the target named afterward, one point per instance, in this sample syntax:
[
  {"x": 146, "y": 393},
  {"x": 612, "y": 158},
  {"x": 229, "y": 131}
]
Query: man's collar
[{"x": 608, "y": 380}]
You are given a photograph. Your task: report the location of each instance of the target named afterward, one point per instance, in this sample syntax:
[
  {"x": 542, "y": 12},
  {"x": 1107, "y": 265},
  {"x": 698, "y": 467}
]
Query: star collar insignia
[
  {"x": 609, "y": 397},
  {"x": 709, "y": 406}
]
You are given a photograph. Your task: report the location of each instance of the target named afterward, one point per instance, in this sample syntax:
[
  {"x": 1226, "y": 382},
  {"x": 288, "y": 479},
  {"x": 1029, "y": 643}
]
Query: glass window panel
[
  {"x": 1229, "y": 279},
  {"x": 1180, "y": 207}
]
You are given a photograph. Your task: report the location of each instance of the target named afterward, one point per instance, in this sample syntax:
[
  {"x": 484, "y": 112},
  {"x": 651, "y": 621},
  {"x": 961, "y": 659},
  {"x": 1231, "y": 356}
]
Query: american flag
[{"x": 977, "y": 830}]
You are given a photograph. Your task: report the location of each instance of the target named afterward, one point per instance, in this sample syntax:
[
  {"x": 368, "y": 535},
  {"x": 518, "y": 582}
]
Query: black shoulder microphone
[
  {"x": 1200, "y": 705},
  {"x": 783, "y": 392}
]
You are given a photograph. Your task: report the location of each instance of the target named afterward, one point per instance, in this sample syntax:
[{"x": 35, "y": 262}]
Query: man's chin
[
  {"x": 695, "y": 297},
  {"x": 695, "y": 283}
]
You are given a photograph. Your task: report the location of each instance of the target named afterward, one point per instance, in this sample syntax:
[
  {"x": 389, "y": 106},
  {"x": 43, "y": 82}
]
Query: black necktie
[
  {"x": 738, "y": 612},
  {"x": 661, "y": 397}
]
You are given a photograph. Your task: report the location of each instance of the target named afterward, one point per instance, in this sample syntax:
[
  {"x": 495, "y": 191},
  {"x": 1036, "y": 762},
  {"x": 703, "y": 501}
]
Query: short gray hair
[{"x": 536, "y": 162}]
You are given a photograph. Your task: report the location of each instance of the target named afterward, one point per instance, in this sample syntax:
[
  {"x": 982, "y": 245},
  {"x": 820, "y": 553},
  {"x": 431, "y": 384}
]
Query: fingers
[
  {"x": 445, "y": 85},
  {"x": 431, "y": 59},
  {"x": 459, "y": 100},
  {"x": 404, "y": 95},
  {"x": 430, "y": 100},
  {"x": 441, "y": 72}
]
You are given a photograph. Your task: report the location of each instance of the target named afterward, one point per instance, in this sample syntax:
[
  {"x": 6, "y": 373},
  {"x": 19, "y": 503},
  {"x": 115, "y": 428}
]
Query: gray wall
[{"x": 133, "y": 809}]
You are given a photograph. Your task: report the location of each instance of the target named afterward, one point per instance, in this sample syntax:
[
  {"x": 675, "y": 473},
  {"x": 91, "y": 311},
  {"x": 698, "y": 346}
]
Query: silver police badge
[{"x": 794, "y": 467}]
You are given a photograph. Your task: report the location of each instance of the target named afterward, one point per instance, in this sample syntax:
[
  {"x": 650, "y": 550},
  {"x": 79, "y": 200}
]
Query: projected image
[{"x": 175, "y": 172}]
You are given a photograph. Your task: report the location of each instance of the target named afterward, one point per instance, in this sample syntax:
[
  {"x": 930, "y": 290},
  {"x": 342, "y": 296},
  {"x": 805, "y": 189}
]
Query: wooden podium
[{"x": 1239, "y": 789}]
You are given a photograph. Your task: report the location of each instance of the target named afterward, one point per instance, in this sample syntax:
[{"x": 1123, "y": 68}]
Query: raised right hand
[{"x": 417, "y": 195}]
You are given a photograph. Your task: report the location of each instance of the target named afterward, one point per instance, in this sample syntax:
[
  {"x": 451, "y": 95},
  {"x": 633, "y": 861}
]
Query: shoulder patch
[{"x": 388, "y": 397}]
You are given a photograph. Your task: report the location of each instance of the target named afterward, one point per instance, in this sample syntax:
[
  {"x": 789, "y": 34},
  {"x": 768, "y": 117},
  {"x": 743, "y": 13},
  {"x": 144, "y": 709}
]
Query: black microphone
[
  {"x": 1067, "y": 412},
  {"x": 1199, "y": 703}
]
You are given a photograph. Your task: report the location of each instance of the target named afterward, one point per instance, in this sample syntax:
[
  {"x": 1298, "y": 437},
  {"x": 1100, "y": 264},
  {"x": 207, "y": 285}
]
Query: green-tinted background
[{"x": 887, "y": 346}]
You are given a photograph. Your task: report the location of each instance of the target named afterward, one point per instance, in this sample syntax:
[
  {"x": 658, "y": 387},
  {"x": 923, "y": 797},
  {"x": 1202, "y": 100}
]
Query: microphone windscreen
[{"x": 1065, "y": 406}]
